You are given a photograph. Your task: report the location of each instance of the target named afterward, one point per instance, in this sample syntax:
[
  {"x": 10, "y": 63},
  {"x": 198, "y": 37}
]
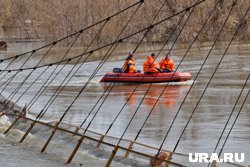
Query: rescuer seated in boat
[
  {"x": 167, "y": 64},
  {"x": 129, "y": 65},
  {"x": 151, "y": 65}
]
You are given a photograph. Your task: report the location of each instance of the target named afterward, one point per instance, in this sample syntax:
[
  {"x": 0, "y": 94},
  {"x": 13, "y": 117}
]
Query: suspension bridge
[{"x": 28, "y": 88}]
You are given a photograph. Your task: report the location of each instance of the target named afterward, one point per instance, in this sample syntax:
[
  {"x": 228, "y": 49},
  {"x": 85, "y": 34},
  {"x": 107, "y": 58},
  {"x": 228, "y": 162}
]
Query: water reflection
[{"x": 170, "y": 98}]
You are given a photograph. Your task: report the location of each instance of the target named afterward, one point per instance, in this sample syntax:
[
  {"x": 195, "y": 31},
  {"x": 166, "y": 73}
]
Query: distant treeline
[{"x": 54, "y": 19}]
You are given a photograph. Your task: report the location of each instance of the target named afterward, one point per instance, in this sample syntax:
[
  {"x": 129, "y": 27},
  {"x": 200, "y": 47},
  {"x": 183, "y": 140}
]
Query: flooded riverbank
[{"x": 202, "y": 133}]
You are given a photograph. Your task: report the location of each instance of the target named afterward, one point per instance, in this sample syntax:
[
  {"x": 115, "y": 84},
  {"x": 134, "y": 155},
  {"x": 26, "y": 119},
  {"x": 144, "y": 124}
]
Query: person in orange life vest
[
  {"x": 129, "y": 65},
  {"x": 167, "y": 64},
  {"x": 151, "y": 65}
]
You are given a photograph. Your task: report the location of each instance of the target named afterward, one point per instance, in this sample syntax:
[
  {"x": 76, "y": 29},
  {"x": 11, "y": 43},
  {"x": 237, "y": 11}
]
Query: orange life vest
[
  {"x": 150, "y": 65},
  {"x": 167, "y": 63},
  {"x": 129, "y": 66}
]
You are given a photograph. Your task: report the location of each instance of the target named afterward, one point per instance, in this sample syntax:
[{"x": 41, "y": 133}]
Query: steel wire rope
[
  {"x": 40, "y": 91},
  {"x": 2, "y": 71},
  {"x": 35, "y": 98},
  {"x": 45, "y": 69},
  {"x": 162, "y": 91},
  {"x": 150, "y": 27},
  {"x": 7, "y": 80},
  {"x": 186, "y": 97},
  {"x": 22, "y": 83},
  {"x": 164, "y": 19},
  {"x": 81, "y": 139},
  {"x": 230, "y": 115},
  {"x": 58, "y": 124},
  {"x": 109, "y": 55},
  {"x": 86, "y": 28},
  {"x": 157, "y": 24},
  {"x": 117, "y": 145},
  {"x": 98, "y": 67},
  {"x": 237, "y": 116},
  {"x": 177, "y": 68},
  {"x": 17, "y": 72},
  {"x": 87, "y": 57},
  {"x": 61, "y": 86},
  {"x": 191, "y": 85},
  {"x": 117, "y": 41},
  {"x": 144, "y": 96},
  {"x": 240, "y": 94},
  {"x": 217, "y": 66},
  {"x": 6, "y": 68},
  {"x": 142, "y": 78},
  {"x": 107, "y": 89},
  {"x": 93, "y": 74},
  {"x": 111, "y": 86}
]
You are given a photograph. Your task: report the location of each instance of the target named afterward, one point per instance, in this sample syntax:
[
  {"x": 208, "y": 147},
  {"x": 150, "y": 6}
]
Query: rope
[
  {"x": 223, "y": 131},
  {"x": 233, "y": 5},
  {"x": 59, "y": 89},
  {"x": 53, "y": 78},
  {"x": 115, "y": 150},
  {"x": 233, "y": 123},
  {"x": 36, "y": 97},
  {"x": 96, "y": 72},
  {"x": 93, "y": 74},
  {"x": 22, "y": 83},
  {"x": 137, "y": 135},
  {"x": 74, "y": 151},
  {"x": 17, "y": 72},
  {"x": 192, "y": 83},
  {"x": 142, "y": 77},
  {"x": 167, "y": 84},
  {"x": 42, "y": 113},
  {"x": 109, "y": 89},
  {"x": 117, "y": 41},
  {"x": 230, "y": 115}
]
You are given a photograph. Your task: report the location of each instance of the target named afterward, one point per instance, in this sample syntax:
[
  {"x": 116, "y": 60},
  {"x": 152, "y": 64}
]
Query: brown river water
[{"x": 200, "y": 136}]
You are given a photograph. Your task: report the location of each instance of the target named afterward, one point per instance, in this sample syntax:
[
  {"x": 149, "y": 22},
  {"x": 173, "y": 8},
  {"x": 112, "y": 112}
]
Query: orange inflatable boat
[{"x": 146, "y": 78}]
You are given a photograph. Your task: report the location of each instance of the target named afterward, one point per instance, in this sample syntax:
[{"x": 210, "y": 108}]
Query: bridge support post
[
  {"x": 112, "y": 156},
  {"x": 129, "y": 148},
  {"x": 100, "y": 141}
]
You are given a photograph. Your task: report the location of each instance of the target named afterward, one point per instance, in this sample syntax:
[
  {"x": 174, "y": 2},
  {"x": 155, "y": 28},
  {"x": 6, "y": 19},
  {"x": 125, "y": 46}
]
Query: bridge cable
[
  {"x": 230, "y": 115},
  {"x": 16, "y": 72},
  {"x": 61, "y": 86},
  {"x": 120, "y": 40},
  {"x": 164, "y": 20},
  {"x": 116, "y": 148},
  {"x": 233, "y": 4},
  {"x": 99, "y": 66},
  {"x": 23, "y": 82},
  {"x": 80, "y": 141},
  {"x": 234, "y": 123},
  {"x": 180, "y": 108},
  {"x": 75, "y": 97},
  {"x": 43, "y": 88},
  {"x": 92, "y": 76},
  {"x": 144, "y": 75}
]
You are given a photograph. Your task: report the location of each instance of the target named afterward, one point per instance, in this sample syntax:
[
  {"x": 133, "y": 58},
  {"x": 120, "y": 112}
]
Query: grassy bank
[{"x": 51, "y": 20}]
